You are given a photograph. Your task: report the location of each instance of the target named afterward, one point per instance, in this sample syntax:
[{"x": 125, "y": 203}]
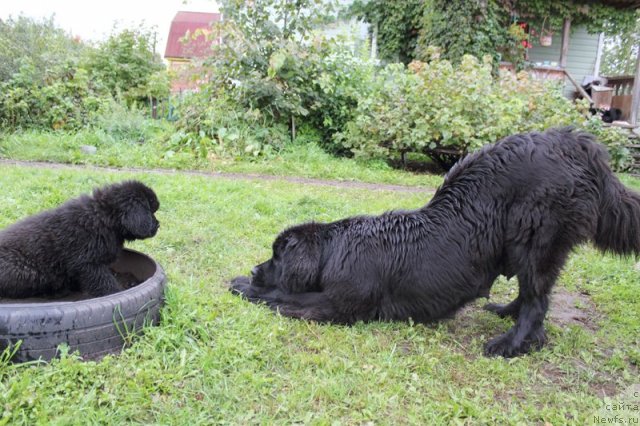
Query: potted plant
[{"x": 546, "y": 35}]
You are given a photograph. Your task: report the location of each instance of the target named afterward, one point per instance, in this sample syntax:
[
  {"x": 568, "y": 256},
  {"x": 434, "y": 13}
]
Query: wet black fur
[
  {"x": 514, "y": 208},
  {"x": 71, "y": 247}
]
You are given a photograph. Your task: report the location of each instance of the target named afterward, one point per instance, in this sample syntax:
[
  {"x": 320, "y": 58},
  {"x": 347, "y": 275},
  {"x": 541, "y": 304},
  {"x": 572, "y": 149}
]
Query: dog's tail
[{"x": 619, "y": 220}]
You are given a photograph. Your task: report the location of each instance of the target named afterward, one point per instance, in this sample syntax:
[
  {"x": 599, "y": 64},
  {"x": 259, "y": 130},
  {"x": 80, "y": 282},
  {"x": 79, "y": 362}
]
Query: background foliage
[
  {"x": 407, "y": 28},
  {"x": 38, "y": 43},
  {"x": 398, "y": 25},
  {"x": 51, "y": 80},
  {"x": 126, "y": 64},
  {"x": 445, "y": 110},
  {"x": 279, "y": 81},
  {"x": 468, "y": 27},
  {"x": 271, "y": 77},
  {"x": 621, "y": 51}
]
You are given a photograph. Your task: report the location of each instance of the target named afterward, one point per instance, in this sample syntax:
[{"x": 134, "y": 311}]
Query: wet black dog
[
  {"x": 72, "y": 246},
  {"x": 514, "y": 208}
]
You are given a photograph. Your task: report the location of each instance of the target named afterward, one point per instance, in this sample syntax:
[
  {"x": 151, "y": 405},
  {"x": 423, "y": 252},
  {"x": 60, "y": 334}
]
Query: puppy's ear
[
  {"x": 139, "y": 223},
  {"x": 301, "y": 264}
]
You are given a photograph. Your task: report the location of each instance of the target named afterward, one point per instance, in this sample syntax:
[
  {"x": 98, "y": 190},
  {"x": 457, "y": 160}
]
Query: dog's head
[
  {"x": 131, "y": 206},
  {"x": 296, "y": 260}
]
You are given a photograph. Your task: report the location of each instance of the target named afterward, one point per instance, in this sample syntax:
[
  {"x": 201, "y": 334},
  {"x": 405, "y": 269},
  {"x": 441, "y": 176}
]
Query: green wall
[{"x": 583, "y": 48}]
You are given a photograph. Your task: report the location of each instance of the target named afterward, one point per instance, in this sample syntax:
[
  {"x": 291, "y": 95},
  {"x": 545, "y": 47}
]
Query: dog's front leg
[
  {"x": 242, "y": 286},
  {"x": 528, "y": 332},
  {"x": 98, "y": 280}
]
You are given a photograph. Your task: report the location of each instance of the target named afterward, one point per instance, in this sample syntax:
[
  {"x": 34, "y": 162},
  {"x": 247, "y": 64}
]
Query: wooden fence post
[
  {"x": 566, "y": 33},
  {"x": 635, "y": 94}
]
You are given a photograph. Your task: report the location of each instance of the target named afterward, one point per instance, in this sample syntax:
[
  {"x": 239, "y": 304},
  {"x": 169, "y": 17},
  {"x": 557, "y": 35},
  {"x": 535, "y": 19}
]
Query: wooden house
[
  {"x": 189, "y": 40},
  {"x": 575, "y": 56}
]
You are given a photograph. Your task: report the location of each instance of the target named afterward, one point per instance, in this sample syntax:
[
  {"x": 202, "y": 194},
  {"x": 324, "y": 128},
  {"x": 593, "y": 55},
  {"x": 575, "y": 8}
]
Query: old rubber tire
[{"x": 93, "y": 327}]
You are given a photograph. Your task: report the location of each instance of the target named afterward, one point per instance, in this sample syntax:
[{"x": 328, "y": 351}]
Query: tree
[
  {"x": 125, "y": 63},
  {"x": 264, "y": 58},
  {"x": 621, "y": 52},
  {"x": 470, "y": 27},
  {"x": 40, "y": 44}
]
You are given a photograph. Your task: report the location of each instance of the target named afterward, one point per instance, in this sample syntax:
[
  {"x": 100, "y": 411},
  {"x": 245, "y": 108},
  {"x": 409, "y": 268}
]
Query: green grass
[
  {"x": 218, "y": 359},
  {"x": 296, "y": 160}
]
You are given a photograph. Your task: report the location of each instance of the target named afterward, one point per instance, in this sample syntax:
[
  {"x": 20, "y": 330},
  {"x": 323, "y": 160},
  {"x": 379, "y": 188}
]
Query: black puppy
[
  {"x": 72, "y": 246},
  {"x": 514, "y": 208}
]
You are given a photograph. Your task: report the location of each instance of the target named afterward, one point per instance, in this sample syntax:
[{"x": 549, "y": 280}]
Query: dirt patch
[{"x": 569, "y": 308}]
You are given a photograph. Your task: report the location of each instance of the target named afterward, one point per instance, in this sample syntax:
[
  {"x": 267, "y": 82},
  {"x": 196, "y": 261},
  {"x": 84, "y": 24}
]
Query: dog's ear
[
  {"x": 139, "y": 223},
  {"x": 301, "y": 264}
]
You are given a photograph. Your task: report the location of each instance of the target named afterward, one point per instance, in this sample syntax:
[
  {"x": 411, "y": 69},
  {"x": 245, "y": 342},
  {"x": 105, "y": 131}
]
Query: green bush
[
  {"x": 39, "y": 43},
  {"x": 213, "y": 124},
  {"x": 339, "y": 79},
  {"x": 49, "y": 80},
  {"x": 316, "y": 85},
  {"x": 63, "y": 98},
  {"x": 446, "y": 111},
  {"x": 127, "y": 66}
]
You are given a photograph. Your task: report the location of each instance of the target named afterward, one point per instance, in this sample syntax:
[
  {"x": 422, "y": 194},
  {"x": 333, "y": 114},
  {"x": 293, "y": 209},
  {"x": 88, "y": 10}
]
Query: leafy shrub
[
  {"x": 127, "y": 66},
  {"x": 49, "y": 80},
  {"x": 446, "y": 111},
  {"x": 216, "y": 125},
  {"x": 63, "y": 98},
  {"x": 271, "y": 69},
  {"x": 39, "y": 43},
  {"x": 317, "y": 85},
  {"x": 339, "y": 80}
]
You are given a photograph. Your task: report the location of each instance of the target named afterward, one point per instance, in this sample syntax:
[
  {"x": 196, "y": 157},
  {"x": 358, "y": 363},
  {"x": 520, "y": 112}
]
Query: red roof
[{"x": 189, "y": 22}]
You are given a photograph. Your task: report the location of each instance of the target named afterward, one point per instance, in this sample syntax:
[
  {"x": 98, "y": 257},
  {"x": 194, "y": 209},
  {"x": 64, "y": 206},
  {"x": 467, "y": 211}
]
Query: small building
[
  {"x": 188, "y": 41},
  {"x": 582, "y": 62},
  {"x": 575, "y": 56}
]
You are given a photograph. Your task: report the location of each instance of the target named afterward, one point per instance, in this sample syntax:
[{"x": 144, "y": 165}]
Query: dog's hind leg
[
  {"x": 528, "y": 332},
  {"x": 98, "y": 281},
  {"x": 511, "y": 309}
]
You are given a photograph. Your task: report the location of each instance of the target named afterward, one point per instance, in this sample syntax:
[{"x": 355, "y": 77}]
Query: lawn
[
  {"x": 300, "y": 159},
  {"x": 218, "y": 359}
]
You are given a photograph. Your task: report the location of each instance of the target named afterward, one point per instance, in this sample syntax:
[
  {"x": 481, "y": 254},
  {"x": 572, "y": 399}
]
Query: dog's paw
[
  {"x": 507, "y": 347},
  {"x": 240, "y": 285},
  {"x": 500, "y": 346},
  {"x": 502, "y": 310}
]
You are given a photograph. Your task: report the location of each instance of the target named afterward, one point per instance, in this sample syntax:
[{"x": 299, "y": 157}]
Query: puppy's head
[
  {"x": 131, "y": 206},
  {"x": 295, "y": 263}
]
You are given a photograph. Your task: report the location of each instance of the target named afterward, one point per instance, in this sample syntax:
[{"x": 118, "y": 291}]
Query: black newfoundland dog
[
  {"x": 72, "y": 246},
  {"x": 514, "y": 208}
]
